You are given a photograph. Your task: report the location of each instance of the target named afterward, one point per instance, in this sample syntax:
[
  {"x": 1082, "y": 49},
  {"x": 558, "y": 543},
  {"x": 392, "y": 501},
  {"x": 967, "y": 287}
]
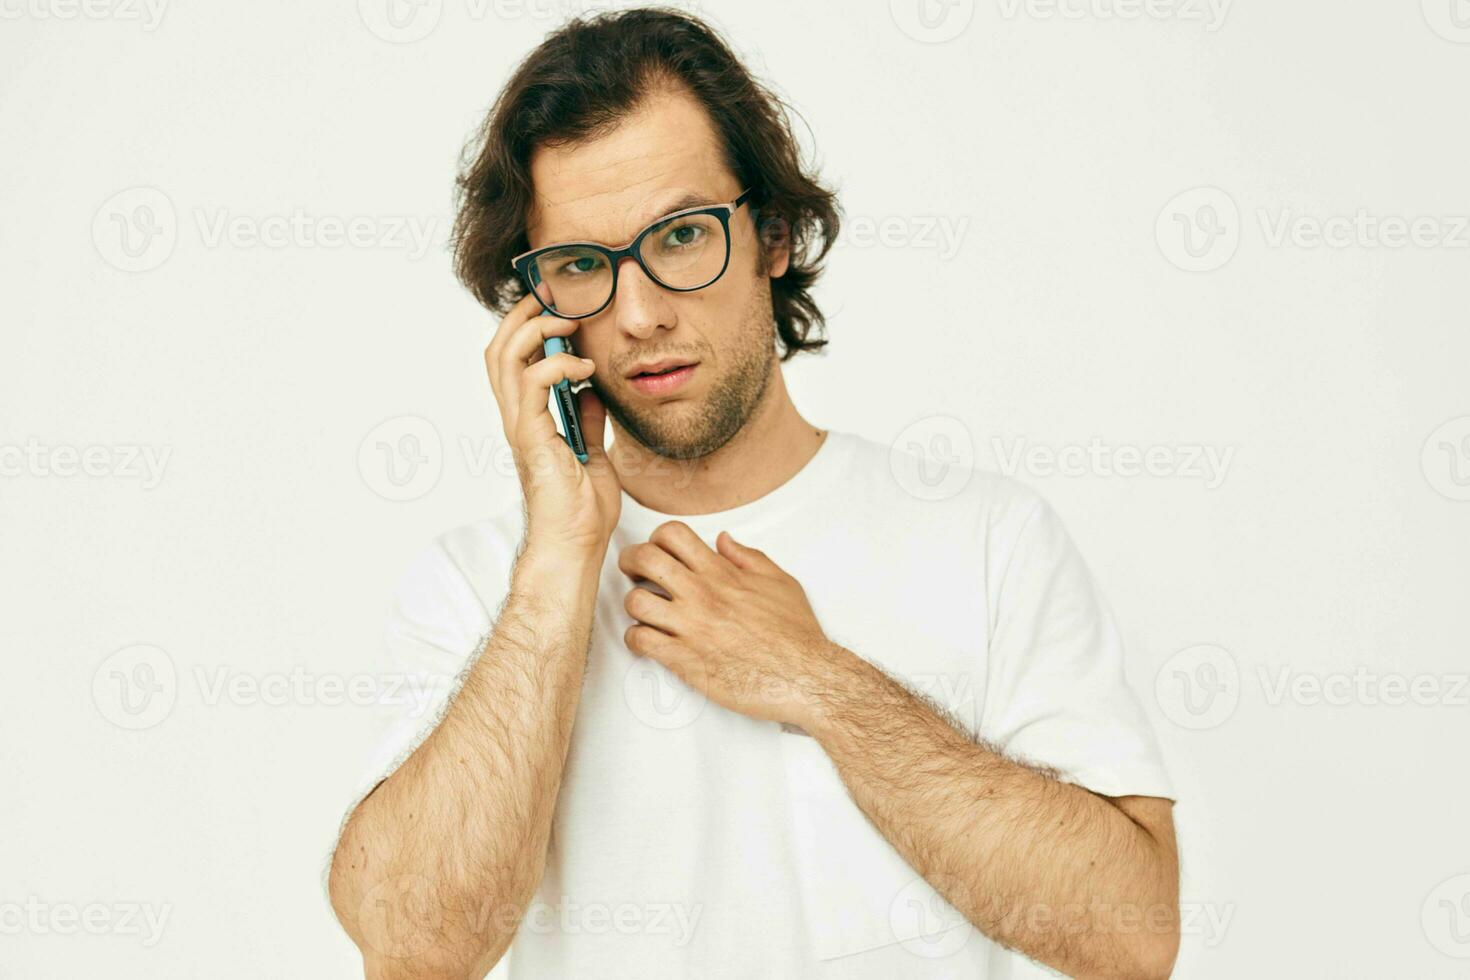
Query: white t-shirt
[{"x": 691, "y": 841}]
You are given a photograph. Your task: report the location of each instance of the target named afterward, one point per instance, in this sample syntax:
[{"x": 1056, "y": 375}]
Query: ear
[{"x": 775, "y": 238}]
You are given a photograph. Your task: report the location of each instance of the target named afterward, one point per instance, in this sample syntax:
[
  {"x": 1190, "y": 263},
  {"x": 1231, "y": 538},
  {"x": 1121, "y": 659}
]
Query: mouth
[{"x": 662, "y": 377}]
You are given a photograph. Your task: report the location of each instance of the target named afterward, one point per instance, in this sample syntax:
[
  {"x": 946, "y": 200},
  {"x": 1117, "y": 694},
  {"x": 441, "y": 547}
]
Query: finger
[
  {"x": 743, "y": 556},
  {"x": 528, "y": 340},
  {"x": 594, "y": 419},
  {"x": 651, "y": 609},
  {"x": 648, "y": 641},
  {"x": 524, "y": 308},
  {"x": 543, "y": 289},
  {"x": 526, "y": 345},
  {"x": 650, "y": 562},
  {"x": 537, "y": 380},
  {"x": 679, "y": 540}
]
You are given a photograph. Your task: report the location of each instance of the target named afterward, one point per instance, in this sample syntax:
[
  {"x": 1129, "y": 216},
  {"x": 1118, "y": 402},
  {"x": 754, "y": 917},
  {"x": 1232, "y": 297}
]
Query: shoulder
[
  {"x": 486, "y": 545},
  {"x": 465, "y": 565},
  {"x": 937, "y": 478}
]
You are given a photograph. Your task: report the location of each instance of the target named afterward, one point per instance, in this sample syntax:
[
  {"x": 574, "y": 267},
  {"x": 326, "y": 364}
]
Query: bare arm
[
  {"x": 437, "y": 865},
  {"x": 1084, "y": 883}
]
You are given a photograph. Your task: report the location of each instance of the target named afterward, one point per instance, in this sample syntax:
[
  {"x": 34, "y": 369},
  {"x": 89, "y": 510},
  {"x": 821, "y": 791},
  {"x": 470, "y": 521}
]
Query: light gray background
[{"x": 1066, "y": 151}]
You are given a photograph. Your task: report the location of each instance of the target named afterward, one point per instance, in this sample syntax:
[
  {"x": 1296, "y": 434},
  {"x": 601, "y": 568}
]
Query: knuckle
[
  {"x": 626, "y": 559},
  {"x": 636, "y": 637},
  {"x": 669, "y": 529}
]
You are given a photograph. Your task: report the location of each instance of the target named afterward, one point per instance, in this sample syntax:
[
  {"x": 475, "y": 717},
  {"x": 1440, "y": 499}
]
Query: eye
[
  {"x": 684, "y": 236},
  {"x": 577, "y": 266}
]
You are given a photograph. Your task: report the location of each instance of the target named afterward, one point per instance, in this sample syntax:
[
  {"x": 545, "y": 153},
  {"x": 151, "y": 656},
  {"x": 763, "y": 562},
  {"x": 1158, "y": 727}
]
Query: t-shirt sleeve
[
  {"x": 1055, "y": 691},
  {"x": 436, "y": 625},
  {"x": 437, "y": 622}
]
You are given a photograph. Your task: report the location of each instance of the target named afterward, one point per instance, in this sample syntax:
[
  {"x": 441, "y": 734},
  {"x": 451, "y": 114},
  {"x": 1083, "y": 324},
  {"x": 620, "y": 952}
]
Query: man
[{"x": 738, "y": 699}]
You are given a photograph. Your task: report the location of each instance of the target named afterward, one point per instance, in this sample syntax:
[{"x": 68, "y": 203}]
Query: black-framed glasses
[{"x": 683, "y": 251}]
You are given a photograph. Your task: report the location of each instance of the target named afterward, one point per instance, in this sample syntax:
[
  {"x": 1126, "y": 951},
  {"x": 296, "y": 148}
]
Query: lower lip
[{"x": 662, "y": 384}]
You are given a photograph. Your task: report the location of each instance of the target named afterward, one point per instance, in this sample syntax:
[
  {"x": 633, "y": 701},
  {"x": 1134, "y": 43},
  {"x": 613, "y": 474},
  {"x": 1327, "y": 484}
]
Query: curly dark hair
[{"x": 579, "y": 83}]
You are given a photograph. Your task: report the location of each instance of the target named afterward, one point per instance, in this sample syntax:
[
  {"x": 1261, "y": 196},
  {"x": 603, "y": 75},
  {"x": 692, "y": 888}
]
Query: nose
[{"x": 640, "y": 306}]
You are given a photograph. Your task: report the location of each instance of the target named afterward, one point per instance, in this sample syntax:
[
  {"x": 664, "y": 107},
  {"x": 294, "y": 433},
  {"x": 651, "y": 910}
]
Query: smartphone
[
  {"x": 562, "y": 393},
  {"x": 566, "y": 399}
]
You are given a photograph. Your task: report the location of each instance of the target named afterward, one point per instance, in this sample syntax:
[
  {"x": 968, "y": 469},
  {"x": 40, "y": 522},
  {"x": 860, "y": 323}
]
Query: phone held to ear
[{"x": 566, "y": 399}]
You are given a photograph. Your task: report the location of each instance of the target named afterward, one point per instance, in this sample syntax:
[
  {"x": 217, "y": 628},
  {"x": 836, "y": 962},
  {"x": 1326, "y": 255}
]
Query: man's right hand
[{"x": 571, "y": 507}]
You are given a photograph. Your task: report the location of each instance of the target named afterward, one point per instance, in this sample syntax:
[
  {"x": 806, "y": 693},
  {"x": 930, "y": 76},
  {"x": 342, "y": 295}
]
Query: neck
[{"x": 771, "y": 448}]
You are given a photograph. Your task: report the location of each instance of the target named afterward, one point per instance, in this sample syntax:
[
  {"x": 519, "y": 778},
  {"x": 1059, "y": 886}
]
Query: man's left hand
[{"x": 736, "y": 626}]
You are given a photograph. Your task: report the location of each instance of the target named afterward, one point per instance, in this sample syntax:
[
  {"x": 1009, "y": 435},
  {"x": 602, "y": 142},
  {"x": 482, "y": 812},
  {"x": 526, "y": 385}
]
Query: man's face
[{"x": 607, "y": 190}]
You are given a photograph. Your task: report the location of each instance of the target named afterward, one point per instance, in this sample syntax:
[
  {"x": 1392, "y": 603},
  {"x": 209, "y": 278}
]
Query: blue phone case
[{"x": 566, "y": 401}]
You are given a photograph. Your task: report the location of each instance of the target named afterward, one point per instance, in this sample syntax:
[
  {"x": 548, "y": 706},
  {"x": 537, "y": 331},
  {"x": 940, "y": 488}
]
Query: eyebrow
[{"x": 682, "y": 204}]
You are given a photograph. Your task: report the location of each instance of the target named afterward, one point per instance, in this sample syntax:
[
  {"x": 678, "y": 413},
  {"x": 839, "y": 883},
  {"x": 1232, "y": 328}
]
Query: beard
[{"x": 696, "y": 429}]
